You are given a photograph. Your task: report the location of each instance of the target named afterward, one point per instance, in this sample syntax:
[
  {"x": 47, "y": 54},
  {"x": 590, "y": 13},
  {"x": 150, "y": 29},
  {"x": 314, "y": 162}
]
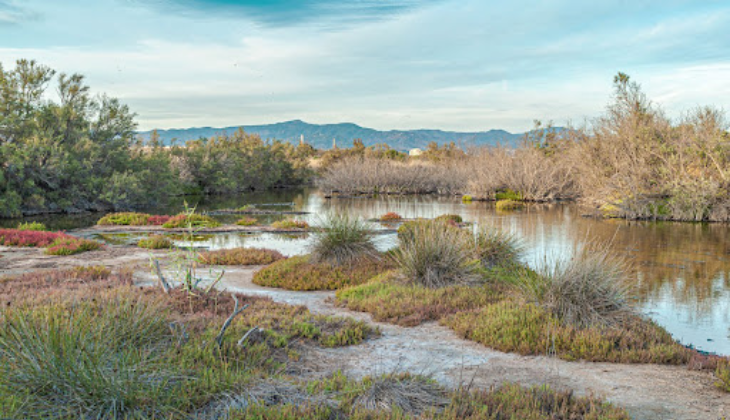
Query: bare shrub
[{"x": 405, "y": 393}]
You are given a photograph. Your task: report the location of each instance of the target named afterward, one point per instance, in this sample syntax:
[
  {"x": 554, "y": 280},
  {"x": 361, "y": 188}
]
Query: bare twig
[
  {"x": 165, "y": 285},
  {"x": 236, "y": 311},
  {"x": 212, "y": 285},
  {"x": 243, "y": 339}
]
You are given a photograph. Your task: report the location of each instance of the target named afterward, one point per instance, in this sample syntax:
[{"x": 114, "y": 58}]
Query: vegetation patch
[
  {"x": 722, "y": 373},
  {"x": 509, "y": 195},
  {"x": 35, "y": 226},
  {"x": 246, "y": 221},
  {"x": 450, "y": 218},
  {"x": 155, "y": 242},
  {"x": 530, "y": 330},
  {"x": 391, "y": 217},
  {"x": 29, "y": 238},
  {"x": 71, "y": 245},
  {"x": 299, "y": 273},
  {"x": 289, "y": 224},
  {"x": 124, "y": 219},
  {"x": 390, "y": 300},
  {"x": 188, "y": 220},
  {"x": 241, "y": 256}
]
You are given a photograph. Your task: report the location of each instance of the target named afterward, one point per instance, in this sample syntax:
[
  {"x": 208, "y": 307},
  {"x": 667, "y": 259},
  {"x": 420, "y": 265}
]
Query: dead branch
[
  {"x": 236, "y": 311},
  {"x": 165, "y": 285},
  {"x": 243, "y": 339},
  {"x": 212, "y": 285}
]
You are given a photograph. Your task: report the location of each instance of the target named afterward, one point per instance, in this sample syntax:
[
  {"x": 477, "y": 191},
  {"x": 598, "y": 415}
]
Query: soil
[{"x": 646, "y": 391}]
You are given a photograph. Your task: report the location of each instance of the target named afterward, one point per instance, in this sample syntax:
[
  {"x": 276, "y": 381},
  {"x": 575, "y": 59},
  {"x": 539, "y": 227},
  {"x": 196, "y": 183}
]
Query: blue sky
[{"x": 387, "y": 64}]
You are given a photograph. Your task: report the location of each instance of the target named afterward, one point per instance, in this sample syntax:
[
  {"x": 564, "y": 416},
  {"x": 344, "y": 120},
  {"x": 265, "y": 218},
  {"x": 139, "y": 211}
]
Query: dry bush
[
  {"x": 412, "y": 395},
  {"x": 241, "y": 256}
]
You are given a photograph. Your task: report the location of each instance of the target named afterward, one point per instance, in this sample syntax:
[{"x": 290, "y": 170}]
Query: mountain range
[{"x": 321, "y": 136}]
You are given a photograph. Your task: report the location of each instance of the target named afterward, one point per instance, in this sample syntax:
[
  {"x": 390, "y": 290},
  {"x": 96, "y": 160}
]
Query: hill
[{"x": 321, "y": 135}]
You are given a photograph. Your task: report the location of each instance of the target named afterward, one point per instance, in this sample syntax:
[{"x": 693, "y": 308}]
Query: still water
[{"x": 681, "y": 270}]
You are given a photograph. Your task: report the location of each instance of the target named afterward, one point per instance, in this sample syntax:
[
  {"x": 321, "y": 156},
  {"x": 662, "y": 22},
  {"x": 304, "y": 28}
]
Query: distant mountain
[{"x": 321, "y": 135}]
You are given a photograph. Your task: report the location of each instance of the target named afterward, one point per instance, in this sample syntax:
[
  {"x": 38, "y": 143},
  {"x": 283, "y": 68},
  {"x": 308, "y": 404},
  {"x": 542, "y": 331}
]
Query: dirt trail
[{"x": 647, "y": 391}]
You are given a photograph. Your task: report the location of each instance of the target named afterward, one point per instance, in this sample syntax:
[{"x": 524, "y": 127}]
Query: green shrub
[
  {"x": 509, "y": 195},
  {"x": 155, "y": 242},
  {"x": 71, "y": 246},
  {"x": 342, "y": 239},
  {"x": 191, "y": 220},
  {"x": 241, "y": 256},
  {"x": 466, "y": 198},
  {"x": 298, "y": 273},
  {"x": 290, "y": 224},
  {"x": 246, "y": 221},
  {"x": 124, "y": 219},
  {"x": 36, "y": 226},
  {"x": 435, "y": 254}
]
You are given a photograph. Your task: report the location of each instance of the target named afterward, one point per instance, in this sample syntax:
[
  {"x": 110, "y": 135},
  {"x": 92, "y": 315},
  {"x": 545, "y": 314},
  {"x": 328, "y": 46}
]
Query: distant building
[{"x": 415, "y": 152}]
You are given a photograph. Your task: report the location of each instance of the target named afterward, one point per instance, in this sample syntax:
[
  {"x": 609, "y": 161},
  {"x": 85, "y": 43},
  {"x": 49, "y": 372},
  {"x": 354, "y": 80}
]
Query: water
[{"x": 682, "y": 270}]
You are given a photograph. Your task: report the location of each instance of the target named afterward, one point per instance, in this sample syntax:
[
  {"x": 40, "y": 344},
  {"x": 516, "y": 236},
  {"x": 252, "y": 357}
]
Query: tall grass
[
  {"x": 435, "y": 254},
  {"x": 590, "y": 289},
  {"x": 87, "y": 360},
  {"x": 342, "y": 239},
  {"x": 496, "y": 247}
]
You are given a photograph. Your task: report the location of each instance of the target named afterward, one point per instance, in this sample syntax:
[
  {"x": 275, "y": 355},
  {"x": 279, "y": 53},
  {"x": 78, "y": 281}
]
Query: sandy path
[{"x": 647, "y": 391}]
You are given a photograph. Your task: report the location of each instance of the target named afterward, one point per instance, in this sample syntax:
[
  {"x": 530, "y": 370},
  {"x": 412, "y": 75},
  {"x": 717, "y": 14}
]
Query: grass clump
[
  {"x": 509, "y": 205},
  {"x": 389, "y": 300},
  {"x": 495, "y": 247},
  {"x": 435, "y": 254},
  {"x": 528, "y": 329},
  {"x": 241, "y": 256},
  {"x": 124, "y": 219},
  {"x": 246, "y": 221},
  {"x": 155, "y": 242},
  {"x": 342, "y": 239},
  {"x": 70, "y": 245},
  {"x": 509, "y": 195},
  {"x": 590, "y": 289},
  {"x": 34, "y": 226},
  {"x": 290, "y": 224},
  {"x": 299, "y": 273},
  {"x": 187, "y": 220},
  {"x": 391, "y": 217},
  {"x": 466, "y": 198}
]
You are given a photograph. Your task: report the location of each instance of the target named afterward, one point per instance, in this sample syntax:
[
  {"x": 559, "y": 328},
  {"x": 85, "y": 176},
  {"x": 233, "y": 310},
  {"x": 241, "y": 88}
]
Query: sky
[{"x": 464, "y": 65}]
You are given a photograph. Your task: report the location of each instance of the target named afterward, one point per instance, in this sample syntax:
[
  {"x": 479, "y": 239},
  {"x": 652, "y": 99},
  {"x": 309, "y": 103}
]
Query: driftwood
[
  {"x": 165, "y": 285},
  {"x": 236, "y": 311}
]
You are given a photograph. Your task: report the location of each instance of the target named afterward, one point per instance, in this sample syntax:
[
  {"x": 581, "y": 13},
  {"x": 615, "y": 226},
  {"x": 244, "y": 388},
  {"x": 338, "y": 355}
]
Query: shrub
[
  {"x": 35, "y": 226},
  {"x": 342, "y": 239},
  {"x": 124, "y": 219},
  {"x": 158, "y": 220},
  {"x": 434, "y": 254},
  {"x": 528, "y": 329},
  {"x": 466, "y": 198},
  {"x": 589, "y": 289},
  {"x": 508, "y": 195},
  {"x": 496, "y": 247},
  {"x": 298, "y": 273},
  {"x": 722, "y": 373},
  {"x": 241, "y": 256},
  {"x": 155, "y": 242},
  {"x": 70, "y": 245},
  {"x": 246, "y": 221},
  {"x": 290, "y": 224},
  {"x": 508, "y": 205},
  {"x": 450, "y": 218},
  {"x": 191, "y": 220},
  {"x": 29, "y": 238},
  {"x": 390, "y": 217}
]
